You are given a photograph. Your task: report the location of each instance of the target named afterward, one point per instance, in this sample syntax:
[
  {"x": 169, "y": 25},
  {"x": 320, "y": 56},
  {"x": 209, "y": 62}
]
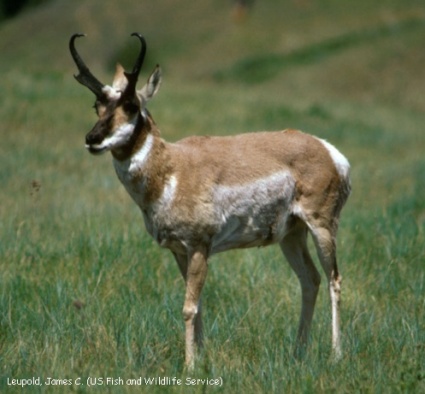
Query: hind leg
[
  {"x": 325, "y": 241},
  {"x": 294, "y": 247}
]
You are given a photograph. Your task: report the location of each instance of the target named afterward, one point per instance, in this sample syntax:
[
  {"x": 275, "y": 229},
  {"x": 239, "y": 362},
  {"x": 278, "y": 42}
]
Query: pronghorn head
[{"x": 121, "y": 108}]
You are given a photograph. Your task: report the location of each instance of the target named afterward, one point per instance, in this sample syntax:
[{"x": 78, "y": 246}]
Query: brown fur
[{"x": 239, "y": 160}]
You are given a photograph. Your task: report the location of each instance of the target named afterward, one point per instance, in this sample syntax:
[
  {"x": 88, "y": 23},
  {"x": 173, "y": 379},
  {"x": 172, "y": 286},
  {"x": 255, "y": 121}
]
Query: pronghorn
[{"x": 203, "y": 195}]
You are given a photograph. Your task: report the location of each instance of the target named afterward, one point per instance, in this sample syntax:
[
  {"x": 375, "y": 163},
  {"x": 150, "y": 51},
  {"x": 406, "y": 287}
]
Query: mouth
[{"x": 95, "y": 150}]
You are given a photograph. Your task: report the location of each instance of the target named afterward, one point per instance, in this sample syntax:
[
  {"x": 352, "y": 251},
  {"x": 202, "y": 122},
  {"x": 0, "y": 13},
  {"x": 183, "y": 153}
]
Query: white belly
[
  {"x": 237, "y": 216},
  {"x": 254, "y": 214}
]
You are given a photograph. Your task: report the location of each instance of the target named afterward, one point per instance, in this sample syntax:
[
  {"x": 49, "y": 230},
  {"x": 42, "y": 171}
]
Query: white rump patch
[{"x": 341, "y": 163}]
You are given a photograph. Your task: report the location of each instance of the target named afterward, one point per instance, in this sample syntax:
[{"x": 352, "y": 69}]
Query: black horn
[
  {"x": 85, "y": 77},
  {"x": 141, "y": 57},
  {"x": 133, "y": 76}
]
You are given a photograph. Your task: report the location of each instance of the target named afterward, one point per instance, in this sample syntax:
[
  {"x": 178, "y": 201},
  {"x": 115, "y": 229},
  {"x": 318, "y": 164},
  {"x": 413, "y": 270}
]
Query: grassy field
[{"x": 85, "y": 293}]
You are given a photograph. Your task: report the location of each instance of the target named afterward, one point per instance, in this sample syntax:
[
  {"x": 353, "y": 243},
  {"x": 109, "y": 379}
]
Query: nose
[{"x": 93, "y": 138}]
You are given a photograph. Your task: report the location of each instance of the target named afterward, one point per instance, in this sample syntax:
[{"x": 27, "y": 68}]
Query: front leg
[{"x": 194, "y": 269}]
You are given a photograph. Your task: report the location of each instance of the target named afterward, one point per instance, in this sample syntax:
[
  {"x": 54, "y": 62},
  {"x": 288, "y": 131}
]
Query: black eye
[{"x": 130, "y": 107}]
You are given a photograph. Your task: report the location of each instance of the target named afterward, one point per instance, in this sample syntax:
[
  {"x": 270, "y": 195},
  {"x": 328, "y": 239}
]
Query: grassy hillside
[{"x": 84, "y": 291}]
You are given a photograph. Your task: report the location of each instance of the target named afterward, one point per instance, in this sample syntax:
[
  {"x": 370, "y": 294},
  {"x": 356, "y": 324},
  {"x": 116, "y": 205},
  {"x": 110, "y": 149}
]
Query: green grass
[
  {"x": 85, "y": 292},
  {"x": 263, "y": 67}
]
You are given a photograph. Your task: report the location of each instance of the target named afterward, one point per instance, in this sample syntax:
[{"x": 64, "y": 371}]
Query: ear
[
  {"x": 120, "y": 81},
  {"x": 151, "y": 87}
]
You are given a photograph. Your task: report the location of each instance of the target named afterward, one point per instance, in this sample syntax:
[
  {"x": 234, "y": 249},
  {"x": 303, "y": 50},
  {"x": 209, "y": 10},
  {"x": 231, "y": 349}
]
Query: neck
[
  {"x": 142, "y": 129},
  {"x": 143, "y": 167}
]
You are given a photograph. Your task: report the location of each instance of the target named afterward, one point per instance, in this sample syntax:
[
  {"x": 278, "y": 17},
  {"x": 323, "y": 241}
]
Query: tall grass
[{"x": 85, "y": 292}]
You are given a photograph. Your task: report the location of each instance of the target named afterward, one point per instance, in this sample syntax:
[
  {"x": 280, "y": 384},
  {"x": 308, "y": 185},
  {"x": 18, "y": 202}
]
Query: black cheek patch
[{"x": 100, "y": 131}]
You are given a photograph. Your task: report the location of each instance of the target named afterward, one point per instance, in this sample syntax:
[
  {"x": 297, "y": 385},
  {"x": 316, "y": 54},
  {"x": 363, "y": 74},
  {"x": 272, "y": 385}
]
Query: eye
[{"x": 130, "y": 107}]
